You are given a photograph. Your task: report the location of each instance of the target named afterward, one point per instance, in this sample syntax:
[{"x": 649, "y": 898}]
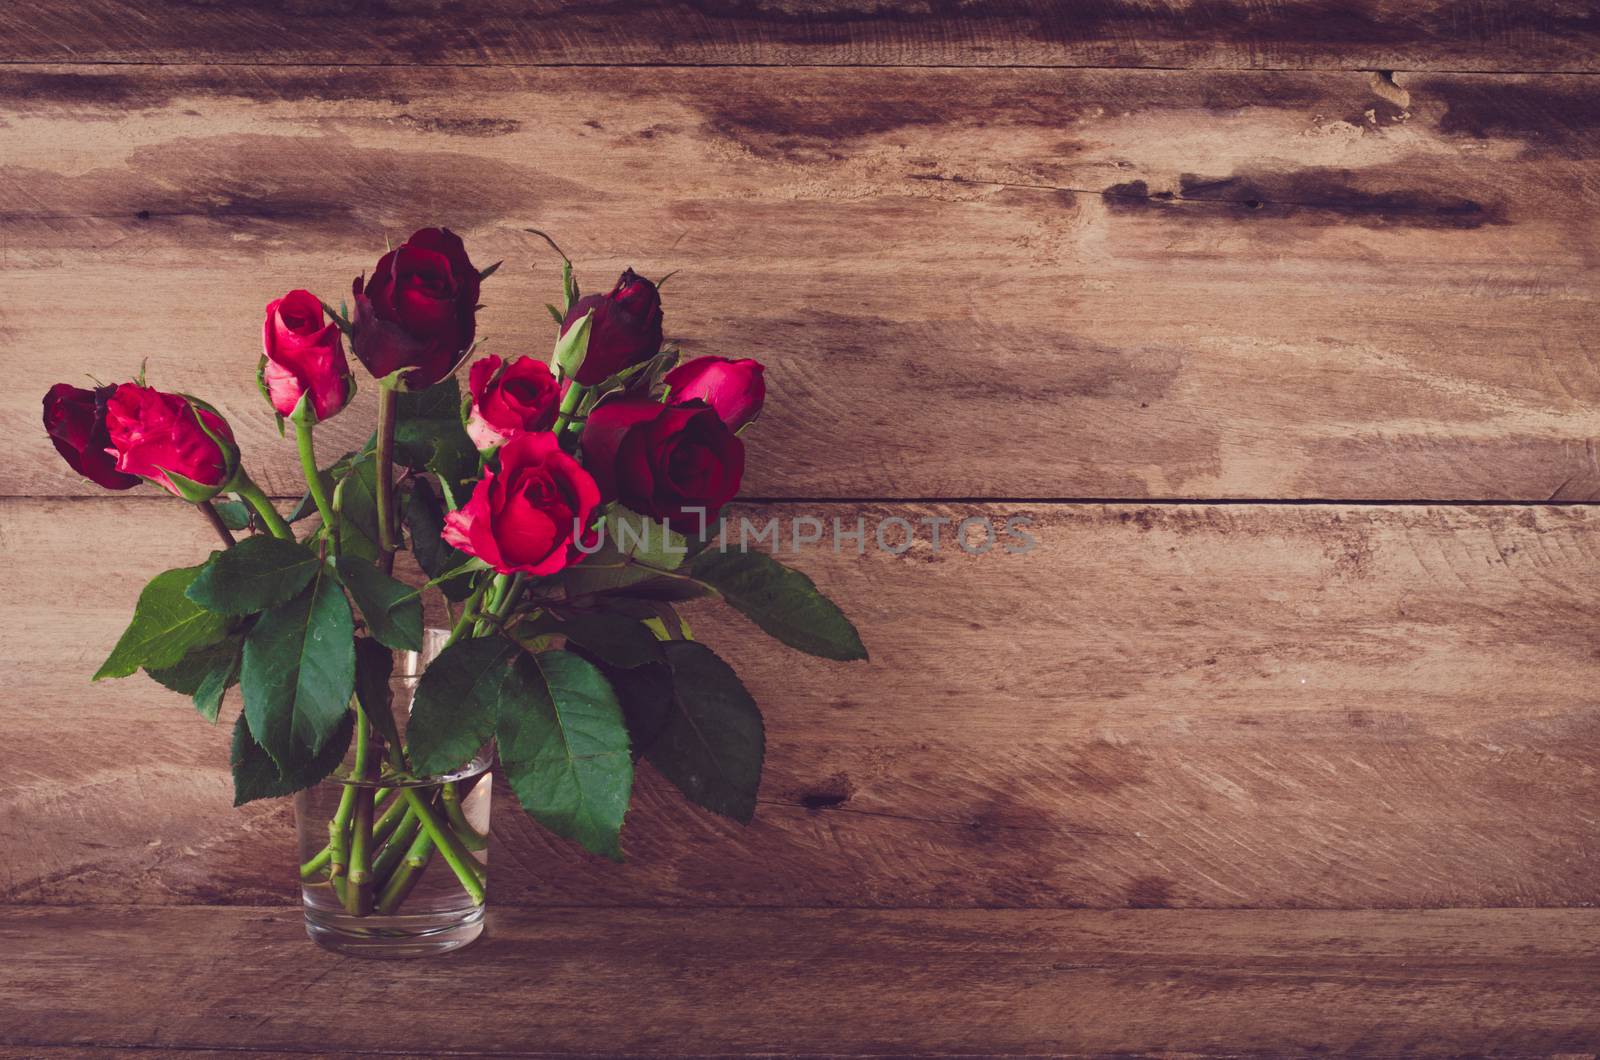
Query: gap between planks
[
  {"x": 1087, "y": 67},
  {"x": 1174, "y": 502}
]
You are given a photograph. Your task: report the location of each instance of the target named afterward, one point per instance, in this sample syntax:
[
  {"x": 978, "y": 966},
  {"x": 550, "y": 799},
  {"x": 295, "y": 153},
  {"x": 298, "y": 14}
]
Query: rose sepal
[
  {"x": 189, "y": 489},
  {"x": 340, "y": 320},
  {"x": 572, "y": 347},
  {"x": 261, "y": 385},
  {"x": 195, "y": 492}
]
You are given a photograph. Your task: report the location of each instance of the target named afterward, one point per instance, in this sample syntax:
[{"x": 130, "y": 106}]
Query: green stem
[
  {"x": 319, "y": 488},
  {"x": 468, "y": 613},
  {"x": 497, "y": 594},
  {"x": 406, "y": 874},
  {"x": 360, "y": 895},
  {"x": 310, "y": 868},
  {"x": 387, "y": 404},
  {"x": 461, "y": 862},
  {"x": 394, "y": 849},
  {"x": 385, "y": 824},
  {"x": 339, "y": 832},
  {"x": 470, "y": 837},
  {"x": 245, "y": 487},
  {"x": 569, "y": 405},
  {"x": 216, "y": 523}
]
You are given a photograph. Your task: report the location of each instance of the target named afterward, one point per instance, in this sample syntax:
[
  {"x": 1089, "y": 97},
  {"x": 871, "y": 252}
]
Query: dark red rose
[
  {"x": 304, "y": 354},
  {"x": 626, "y": 327},
  {"x": 510, "y": 399},
  {"x": 525, "y": 515},
  {"x": 734, "y": 388},
  {"x": 419, "y": 309},
  {"x": 662, "y": 460},
  {"x": 157, "y": 436},
  {"x": 75, "y": 419}
]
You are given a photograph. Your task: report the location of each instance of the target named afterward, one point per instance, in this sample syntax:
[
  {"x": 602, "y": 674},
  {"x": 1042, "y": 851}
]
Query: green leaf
[
  {"x": 257, "y": 776},
  {"x": 630, "y": 540},
  {"x": 458, "y": 701},
  {"x": 374, "y": 667},
  {"x": 204, "y": 674},
  {"x": 333, "y": 473},
  {"x": 645, "y": 693},
  {"x": 257, "y": 573},
  {"x": 429, "y": 436},
  {"x": 484, "y": 274},
  {"x": 713, "y": 741},
  {"x": 356, "y": 498},
  {"x": 659, "y": 616},
  {"x": 299, "y": 671},
  {"x": 166, "y": 625},
  {"x": 602, "y": 571},
  {"x": 613, "y": 639},
  {"x": 569, "y": 283},
  {"x": 424, "y": 517},
  {"x": 235, "y": 514},
  {"x": 645, "y": 539},
  {"x": 392, "y": 609},
  {"x": 571, "y": 347},
  {"x": 555, "y": 314},
  {"x": 564, "y": 749},
  {"x": 783, "y": 602}
]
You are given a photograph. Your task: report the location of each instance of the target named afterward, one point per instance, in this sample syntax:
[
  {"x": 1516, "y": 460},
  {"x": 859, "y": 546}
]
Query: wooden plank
[
  {"x": 1004, "y": 283},
  {"x": 1365, "y": 34},
  {"x": 1240, "y": 706},
  {"x": 806, "y": 982}
]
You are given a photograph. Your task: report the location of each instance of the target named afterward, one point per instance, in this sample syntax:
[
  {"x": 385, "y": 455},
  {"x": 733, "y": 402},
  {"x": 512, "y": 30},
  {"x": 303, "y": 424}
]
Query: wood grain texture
[
  {"x": 1187, "y": 706},
  {"x": 967, "y": 284},
  {"x": 925, "y": 983},
  {"x": 1516, "y": 35}
]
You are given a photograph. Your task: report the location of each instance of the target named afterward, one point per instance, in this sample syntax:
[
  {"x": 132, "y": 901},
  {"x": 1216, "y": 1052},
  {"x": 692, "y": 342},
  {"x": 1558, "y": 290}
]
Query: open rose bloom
[{"x": 553, "y": 509}]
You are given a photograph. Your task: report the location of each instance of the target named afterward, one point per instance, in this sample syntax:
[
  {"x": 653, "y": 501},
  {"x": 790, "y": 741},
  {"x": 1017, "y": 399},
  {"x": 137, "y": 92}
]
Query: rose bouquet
[{"x": 560, "y": 511}]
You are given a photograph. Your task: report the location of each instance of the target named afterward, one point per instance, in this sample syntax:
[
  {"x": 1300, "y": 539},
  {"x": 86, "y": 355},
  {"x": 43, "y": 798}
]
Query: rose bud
[
  {"x": 734, "y": 388},
  {"x": 304, "y": 354},
  {"x": 75, "y": 419},
  {"x": 510, "y": 399},
  {"x": 178, "y": 443},
  {"x": 626, "y": 328},
  {"x": 661, "y": 460},
  {"x": 419, "y": 309},
  {"x": 524, "y": 516}
]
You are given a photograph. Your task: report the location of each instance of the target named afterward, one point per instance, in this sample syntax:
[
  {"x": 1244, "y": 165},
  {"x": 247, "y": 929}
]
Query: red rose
[
  {"x": 304, "y": 354},
  {"x": 734, "y": 388},
  {"x": 75, "y": 419},
  {"x": 525, "y": 515},
  {"x": 626, "y": 328},
  {"x": 419, "y": 309},
  {"x": 661, "y": 460},
  {"x": 510, "y": 399},
  {"x": 179, "y": 444}
]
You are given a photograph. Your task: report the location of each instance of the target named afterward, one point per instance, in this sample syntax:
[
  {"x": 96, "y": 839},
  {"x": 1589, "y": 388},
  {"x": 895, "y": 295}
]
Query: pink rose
[
  {"x": 181, "y": 445},
  {"x": 734, "y": 388},
  {"x": 524, "y": 515},
  {"x": 304, "y": 354},
  {"x": 510, "y": 399}
]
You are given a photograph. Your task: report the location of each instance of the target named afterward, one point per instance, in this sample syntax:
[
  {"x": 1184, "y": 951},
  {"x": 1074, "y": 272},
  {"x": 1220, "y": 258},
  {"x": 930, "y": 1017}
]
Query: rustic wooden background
[{"x": 1278, "y": 319}]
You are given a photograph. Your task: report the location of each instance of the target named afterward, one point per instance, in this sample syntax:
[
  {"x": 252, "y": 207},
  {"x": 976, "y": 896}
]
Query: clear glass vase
[{"x": 410, "y": 883}]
